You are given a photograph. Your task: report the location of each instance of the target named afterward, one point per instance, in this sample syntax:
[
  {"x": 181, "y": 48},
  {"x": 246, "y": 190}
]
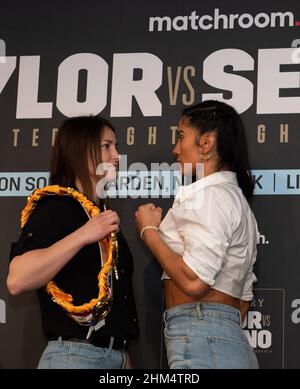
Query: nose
[
  {"x": 175, "y": 151},
  {"x": 115, "y": 155}
]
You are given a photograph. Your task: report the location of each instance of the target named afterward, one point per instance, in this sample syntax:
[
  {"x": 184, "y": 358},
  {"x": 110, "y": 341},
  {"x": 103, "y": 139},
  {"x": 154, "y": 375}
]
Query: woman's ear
[{"x": 207, "y": 142}]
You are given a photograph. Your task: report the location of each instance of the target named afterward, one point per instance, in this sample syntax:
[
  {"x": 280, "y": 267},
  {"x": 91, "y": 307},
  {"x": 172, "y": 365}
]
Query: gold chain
[{"x": 111, "y": 244}]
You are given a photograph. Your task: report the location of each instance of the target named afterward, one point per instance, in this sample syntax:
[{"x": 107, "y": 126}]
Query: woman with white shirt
[{"x": 206, "y": 244}]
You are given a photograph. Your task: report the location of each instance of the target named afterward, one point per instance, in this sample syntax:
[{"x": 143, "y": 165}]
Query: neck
[{"x": 210, "y": 168}]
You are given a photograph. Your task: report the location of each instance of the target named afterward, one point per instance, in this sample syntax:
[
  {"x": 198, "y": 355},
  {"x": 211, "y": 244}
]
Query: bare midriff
[{"x": 175, "y": 296}]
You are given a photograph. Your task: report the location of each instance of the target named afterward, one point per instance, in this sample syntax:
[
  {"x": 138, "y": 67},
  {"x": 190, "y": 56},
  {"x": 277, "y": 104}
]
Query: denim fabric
[
  {"x": 206, "y": 336},
  {"x": 61, "y": 354}
]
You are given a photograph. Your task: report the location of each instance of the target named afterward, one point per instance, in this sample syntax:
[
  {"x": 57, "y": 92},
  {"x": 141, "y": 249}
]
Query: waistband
[
  {"x": 202, "y": 310},
  {"x": 110, "y": 342}
]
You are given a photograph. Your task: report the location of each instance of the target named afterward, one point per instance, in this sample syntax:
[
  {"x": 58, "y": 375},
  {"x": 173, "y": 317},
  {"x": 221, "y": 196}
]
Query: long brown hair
[{"x": 78, "y": 139}]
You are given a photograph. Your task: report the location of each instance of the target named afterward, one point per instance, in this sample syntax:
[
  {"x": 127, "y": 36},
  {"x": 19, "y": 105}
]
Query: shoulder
[
  {"x": 211, "y": 207},
  {"x": 51, "y": 220},
  {"x": 57, "y": 203},
  {"x": 55, "y": 208},
  {"x": 230, "y": 204},
  {"x": 218, "y": 200},
  {"x": 223, "y": 194}
]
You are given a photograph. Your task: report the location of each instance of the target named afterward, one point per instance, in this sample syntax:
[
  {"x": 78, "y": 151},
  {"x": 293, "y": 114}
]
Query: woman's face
[
  {"x": 186, "y": 150},
  {"x": 109, "y": 152},
  {"x": 109, "y": 158}
]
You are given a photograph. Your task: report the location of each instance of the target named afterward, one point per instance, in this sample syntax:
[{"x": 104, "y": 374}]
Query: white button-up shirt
[{"x": 212, "y": 226}]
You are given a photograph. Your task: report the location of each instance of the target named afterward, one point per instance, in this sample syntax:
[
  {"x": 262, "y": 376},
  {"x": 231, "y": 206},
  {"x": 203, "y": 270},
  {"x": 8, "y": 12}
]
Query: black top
[{"x": 54, "y": 218}]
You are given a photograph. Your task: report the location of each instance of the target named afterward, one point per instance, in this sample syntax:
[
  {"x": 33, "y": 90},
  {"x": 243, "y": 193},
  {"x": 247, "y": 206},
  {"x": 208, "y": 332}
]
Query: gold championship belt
[{"x": 90, "y": 313}]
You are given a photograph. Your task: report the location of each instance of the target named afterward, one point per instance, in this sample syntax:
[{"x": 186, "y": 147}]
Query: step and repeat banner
[{"x": 139, "y": 63}]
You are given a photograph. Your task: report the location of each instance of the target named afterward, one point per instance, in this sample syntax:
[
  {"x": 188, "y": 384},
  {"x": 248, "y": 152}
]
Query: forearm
[
  {"x": 174, "y": 266},
  {"x": 36, "y": 268}
]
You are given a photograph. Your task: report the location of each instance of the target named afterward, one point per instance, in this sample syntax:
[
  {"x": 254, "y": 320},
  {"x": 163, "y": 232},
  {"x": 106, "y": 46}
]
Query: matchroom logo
[
  {"x": 264, "y": 327},
  {"x": 220, "y": 21}
]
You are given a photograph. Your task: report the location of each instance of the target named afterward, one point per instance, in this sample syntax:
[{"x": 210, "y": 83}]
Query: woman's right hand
[{"x": 99, "y": 227}]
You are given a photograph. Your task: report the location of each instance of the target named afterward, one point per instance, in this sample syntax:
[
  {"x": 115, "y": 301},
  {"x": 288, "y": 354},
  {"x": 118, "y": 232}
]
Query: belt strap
[{"x": 109, "y": 342}]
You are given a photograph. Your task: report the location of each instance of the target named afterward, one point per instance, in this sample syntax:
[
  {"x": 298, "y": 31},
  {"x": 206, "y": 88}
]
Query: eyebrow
[{"x": 109, "y": 141}]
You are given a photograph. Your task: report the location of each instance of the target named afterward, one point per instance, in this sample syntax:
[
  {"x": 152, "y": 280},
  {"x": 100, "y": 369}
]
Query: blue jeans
[
  {"x": 61, "y": 354},
  {"x": 206, "y": 336}
]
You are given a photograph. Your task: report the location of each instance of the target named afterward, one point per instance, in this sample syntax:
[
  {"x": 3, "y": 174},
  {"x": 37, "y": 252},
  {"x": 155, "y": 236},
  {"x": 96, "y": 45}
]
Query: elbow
[
  {"x": 191, "y": 283},
  {"x": 196, "y": 289},
  {"x": 12, "y": 287},
  {"x": 194, "y": 293},
  {"x": 13, "y": 284}
]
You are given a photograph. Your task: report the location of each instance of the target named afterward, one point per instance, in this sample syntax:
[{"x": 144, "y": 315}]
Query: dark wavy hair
[
  {"x": 232, "y": 147},
  {"x": 78, "y": 139}
]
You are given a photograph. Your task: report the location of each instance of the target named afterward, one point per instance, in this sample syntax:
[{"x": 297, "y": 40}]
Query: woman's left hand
[{"x": 148, "y": 215}]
